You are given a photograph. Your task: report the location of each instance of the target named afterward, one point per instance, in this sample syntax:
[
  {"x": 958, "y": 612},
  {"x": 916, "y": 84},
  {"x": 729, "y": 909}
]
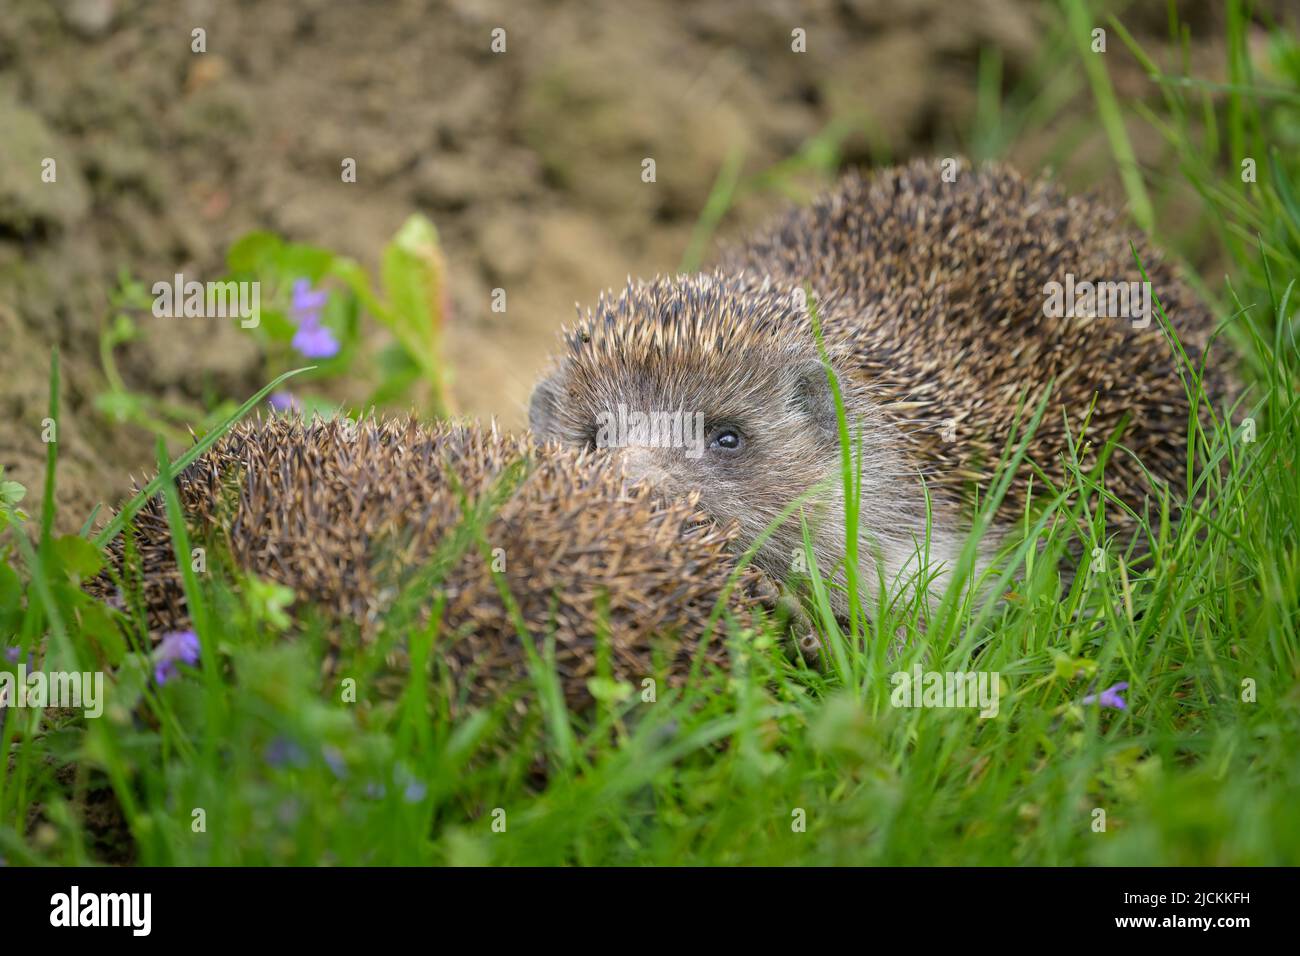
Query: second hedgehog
[{"x": 349, "y": 515}]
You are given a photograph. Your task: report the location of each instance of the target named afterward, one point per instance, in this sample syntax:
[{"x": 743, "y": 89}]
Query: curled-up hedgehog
[
  {"x": 940, "y": 305},
  {"x": 349, "y": 514}
]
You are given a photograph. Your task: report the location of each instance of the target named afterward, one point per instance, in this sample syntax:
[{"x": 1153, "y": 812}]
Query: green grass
[{"x": 770, "y": 763}]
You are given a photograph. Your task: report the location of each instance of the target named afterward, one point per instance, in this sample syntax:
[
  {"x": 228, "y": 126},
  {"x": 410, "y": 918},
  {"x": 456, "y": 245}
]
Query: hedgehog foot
[{"x": 789, "y": 609}]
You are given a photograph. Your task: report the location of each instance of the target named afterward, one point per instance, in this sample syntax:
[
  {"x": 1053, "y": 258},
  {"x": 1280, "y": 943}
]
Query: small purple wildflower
[
  {"x": 12, "y": 654},
  {"x": 315, "y": 341},
  {"x": 413, "y": 789},
  {"x": 1109, "y": 697},
  {"x": 312, "y": 339},
  {"x": 176, "y": 646},
  {"x": 307, "y": 302},
  {"x": 285, "y": 402},
  {"x": 334, "y": 758},
  {"x": 415, "y": 792},
  {"x": 282, "y": 752}
]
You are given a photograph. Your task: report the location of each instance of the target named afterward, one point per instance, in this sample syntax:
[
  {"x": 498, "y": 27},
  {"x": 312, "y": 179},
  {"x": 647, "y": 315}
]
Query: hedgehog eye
[{"x": 727, "y": 439}]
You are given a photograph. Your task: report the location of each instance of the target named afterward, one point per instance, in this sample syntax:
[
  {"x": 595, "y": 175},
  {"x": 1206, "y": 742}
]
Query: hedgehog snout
[{"x": 643, "y": 464}]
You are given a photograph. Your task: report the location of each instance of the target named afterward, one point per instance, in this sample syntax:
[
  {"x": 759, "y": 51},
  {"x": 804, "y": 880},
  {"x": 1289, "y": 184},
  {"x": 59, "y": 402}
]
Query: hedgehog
[
  {"x": 934, "y": 303},
  {"x": 345, "y": 514}
]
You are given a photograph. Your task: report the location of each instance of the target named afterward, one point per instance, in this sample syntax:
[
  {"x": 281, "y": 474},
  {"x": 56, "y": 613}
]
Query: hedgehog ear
[
  {"x": 813, "y": 395},
  {"x": 542, "y": 407}
]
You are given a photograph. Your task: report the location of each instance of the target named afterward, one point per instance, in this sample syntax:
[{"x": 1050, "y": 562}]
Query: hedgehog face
[
  {"x": 700, "y": 386},
  {"x": 744, "y": 443},
  {"x": 713, "y": 386}
]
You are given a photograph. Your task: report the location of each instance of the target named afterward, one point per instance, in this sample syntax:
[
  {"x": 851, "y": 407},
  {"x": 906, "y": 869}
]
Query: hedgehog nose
[{"x": 640, "y": 464}]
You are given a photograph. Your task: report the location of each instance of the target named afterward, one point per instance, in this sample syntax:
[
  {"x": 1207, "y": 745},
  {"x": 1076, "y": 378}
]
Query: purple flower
[
  {"x": 12, "y": 654},
  {"x": 176, "y": 646},
  {"x": 1109, "y": 697},
  {"x": 334, "y": 758},
  {"x": 415, "y": 792},
  {"x": 315, "y": 341},
  {"x": 283, "y": 752},
  {"x": 312, "y": 339},
  {"x": 285, "y": 402},
  {"x": 413, "y": 789},
  {"x": 306, "y": 301}
]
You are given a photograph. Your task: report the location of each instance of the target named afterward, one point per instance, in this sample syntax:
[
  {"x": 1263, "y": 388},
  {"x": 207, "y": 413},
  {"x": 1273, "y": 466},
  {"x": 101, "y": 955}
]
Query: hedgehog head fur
[{"x": 734, "y": 366}]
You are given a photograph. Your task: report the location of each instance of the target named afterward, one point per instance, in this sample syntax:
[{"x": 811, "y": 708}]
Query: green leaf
[
  {"x": 98, "y": 624},
  {"x": 608, "y": 690},
  {"x": 358, "y": 281},
  {"x": 414, "y": 286},
  {"x": 267, "y": 602},
  {"x": 275, "y": 325},
  {"x": 119, "y": 406},
  {"x": 298, "y": 261},
  {"x": 78, "y": 555},
  {"x": 397, "y": 371},
  {"x": 11, "y": 586},
  {"x": 414, "y": 277},
  {"x": 11, "y": 492},
  {"x": 11, "y": 603},
  {"x": 1062, "y": 665},
  {"x": 122, "y": 330},
  {"x": 130, "y": 681},
  {"x": 254, "y": 252},
  {"x": 1067, "y": 667}
]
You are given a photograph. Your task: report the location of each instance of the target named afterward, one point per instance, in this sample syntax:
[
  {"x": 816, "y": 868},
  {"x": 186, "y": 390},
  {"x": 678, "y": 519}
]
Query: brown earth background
[{"x": 528, "y": 162}]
